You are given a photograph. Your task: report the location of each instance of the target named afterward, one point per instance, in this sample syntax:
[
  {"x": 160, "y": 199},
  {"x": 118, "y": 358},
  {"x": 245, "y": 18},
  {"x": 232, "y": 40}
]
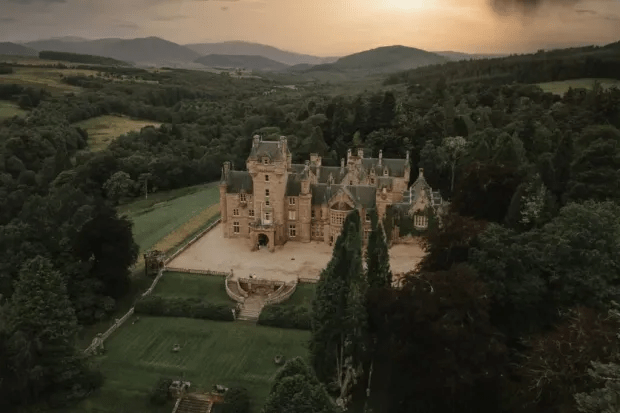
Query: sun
[{"x": 401, "y": 5}]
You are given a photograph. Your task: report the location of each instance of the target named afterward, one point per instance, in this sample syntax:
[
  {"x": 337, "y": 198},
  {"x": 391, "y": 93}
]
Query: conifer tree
[
  {"x": 339, "y": 320},
  {"x": 377, "y": 256}
]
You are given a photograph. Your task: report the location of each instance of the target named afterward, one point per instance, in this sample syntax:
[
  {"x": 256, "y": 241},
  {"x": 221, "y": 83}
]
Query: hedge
[
  {"x": 184, "y": 307},
  {"x": 285, "y": 316}
]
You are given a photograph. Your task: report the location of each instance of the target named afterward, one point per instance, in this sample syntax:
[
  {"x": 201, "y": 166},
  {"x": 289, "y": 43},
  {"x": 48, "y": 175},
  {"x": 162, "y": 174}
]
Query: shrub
[
  {"x": 285, "y": 316},
  {"x": 184, "y": 307},
  {"x": 237, "y": 400},
  {"x": 161, "y": 392}
]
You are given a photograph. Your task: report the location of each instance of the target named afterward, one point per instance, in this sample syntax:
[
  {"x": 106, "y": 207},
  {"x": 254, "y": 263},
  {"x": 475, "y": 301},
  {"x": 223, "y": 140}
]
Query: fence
[{"x": 194, "y": 271}]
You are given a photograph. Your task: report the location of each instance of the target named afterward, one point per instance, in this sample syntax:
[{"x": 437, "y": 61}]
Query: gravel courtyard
[{"x": 214, "y": 252}]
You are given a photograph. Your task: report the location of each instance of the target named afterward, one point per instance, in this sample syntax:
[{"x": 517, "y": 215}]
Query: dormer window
[
  {"x": 385, "y": 171},
  {"x": 266, "y": 161},
  {"x": 242, "y": 197}
]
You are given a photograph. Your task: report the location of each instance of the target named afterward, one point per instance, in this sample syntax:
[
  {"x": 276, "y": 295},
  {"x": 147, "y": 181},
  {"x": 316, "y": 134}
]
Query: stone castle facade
[{"x": 276, "y": 201}]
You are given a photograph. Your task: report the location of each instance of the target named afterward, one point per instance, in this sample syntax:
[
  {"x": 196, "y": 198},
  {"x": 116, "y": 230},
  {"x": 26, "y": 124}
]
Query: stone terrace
[{"x": 289, "y": 261}]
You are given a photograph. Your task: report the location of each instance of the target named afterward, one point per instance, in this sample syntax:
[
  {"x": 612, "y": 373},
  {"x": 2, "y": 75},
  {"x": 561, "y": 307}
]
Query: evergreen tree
[
  {"x": 339, "y": 322},
  {"x": 377, "y": 256},
  {"x": 44, "y": 326},
  {"x": 297, "y": 390}
]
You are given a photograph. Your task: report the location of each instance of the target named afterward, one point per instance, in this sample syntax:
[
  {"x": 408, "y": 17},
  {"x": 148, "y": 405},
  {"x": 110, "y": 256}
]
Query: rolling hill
[
  {"x": 256, "y": 49},
  {"x": 259, "y": 63},
  {"x": 383, "y": 60},
  {"x": 143, "y": 51},
  {"x": 7, "y": 48}
]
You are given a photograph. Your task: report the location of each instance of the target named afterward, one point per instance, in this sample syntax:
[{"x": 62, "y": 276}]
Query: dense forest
[
  {"x": 505, "y": 314},
  {"x": 81, "y": 58}
]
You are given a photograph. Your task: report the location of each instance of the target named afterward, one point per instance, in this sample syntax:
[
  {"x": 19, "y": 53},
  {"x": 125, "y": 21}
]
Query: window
[
  {"x": 251, "y": 212},
  {"x": 266, "y": 178},
  {"x": 372, "y": 181},
  {"x": 367, "y": 217},
  {"x": 267, "y": 203},
  {"x": 266, "y": 161},
  {"x": 292, "y": 215},
  {"x": 268, "y": 216},
  {"x": 236, "y": 227},
  {"x": 266, "y": 192},
  {"x": 420, "y": 221},
  {"x": 313, "y": 214},
  {"x": 292, "y": 230},
  {"x": 242, "y": 197},
  {"x": 385, "y": 172},
  {"x": 350, "y": 182},
  {"x": 236, "y": 212},
  {"x": 291, "y": 201}
]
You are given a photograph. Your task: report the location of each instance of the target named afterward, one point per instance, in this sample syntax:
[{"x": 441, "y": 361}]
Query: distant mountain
[
  {"x": 144, "y": 51},
  {"x": 456, "y": 56},
  {"x": 257, "y": 49},
  {"x": 383, "y": 60},
  {"x": 7, "y": 48},
  {"x": 241, "y": 62}
]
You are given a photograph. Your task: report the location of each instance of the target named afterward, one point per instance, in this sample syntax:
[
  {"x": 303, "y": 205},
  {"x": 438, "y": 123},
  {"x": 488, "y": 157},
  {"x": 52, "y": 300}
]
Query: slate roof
[
  {"x": 269, "y": 149},
  {"x": 323, "y": 173},
  {"x": 237, "y": 181},
  {"x": 363, "y": 195},
  {"x": 396, "y": 167},
  {"x": 293, "y": 185}
]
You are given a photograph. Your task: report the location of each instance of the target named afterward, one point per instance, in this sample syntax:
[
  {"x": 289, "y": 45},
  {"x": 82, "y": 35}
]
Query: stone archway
[{"x": 263, "y": 240}]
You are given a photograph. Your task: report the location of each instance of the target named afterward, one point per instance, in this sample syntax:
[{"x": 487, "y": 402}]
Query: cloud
[
  {"x": 590, "y": 12},
  {"x": 170, "y": 18},
  {"x": 127, "y": 25}
]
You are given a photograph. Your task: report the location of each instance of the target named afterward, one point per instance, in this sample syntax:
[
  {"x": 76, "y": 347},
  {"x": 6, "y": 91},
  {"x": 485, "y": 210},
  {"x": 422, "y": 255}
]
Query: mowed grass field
[
  {"x": 45, "y": 78},
  {"x": 166, "y": 224},
  {"x": 303, "y": 296},
  {"x": 102, "y": 130},
  {"x": 183, "y": 285},
  {"x": 10, "y": 109},
  {"x": 561, "y": 87},
  {"x": 212, "y": 352}
]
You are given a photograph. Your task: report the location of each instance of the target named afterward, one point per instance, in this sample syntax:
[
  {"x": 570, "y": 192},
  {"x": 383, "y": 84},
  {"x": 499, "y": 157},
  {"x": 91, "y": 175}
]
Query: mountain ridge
[{"x": 252, "y": 62}]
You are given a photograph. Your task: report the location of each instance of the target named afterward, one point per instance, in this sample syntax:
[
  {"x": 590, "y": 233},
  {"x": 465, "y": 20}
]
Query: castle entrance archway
[{"x": 263, "y": 240}]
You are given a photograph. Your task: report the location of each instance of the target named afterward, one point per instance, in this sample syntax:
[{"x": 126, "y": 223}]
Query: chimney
[
  {"x": 380, "y": 156},
  {"x": 256, "y": 140},
  {"x": 307, "y": 167},
  {"x": 420, "y": 172},
  {"x": 283, "y": 144},
  {"x": 348, "y": 155},
  {"x": 360, "y": 153},
  {"x": 226, "y": 169},
  {"x": 407, "y": 155},
  {"x": 342, "y": 162}
]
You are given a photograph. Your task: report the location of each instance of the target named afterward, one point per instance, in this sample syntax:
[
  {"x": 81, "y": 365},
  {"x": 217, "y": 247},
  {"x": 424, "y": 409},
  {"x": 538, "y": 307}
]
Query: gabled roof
[
  {"x": 361, "y": 195},
  {"x": 396, "y": 167},
  {"x": 293, "y": 185},
  {"x": 269, "y": 149},
  {"x": 324, "y": 171},
  {"x": 238, "y": 181}
]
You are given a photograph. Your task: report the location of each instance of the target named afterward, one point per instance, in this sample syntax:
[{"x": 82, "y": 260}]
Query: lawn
[
  {"x": 303, "y": 296},
  {"x": 561, "y": 87},
  {"x": 166, "y": 224},
  {"x": 183, "y": 285},
  {"x": 212, "y": 352},
  {"x": 49, "y": 79},
  {"x": 102, "y": 130},
  {"x": 10, "y": 109}
]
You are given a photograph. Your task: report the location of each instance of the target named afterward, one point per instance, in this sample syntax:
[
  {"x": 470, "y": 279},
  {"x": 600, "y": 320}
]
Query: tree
[
  {"x": 297, "y": 390},
  {"x": 119, "y": 185},
  {"x": 452, "y": 150},
  {"x": 44, "y": 327},
  {"x": 339, "y": 326},
  {"x": 377, "y": 256},
  {"x": 237, "y": 400}
]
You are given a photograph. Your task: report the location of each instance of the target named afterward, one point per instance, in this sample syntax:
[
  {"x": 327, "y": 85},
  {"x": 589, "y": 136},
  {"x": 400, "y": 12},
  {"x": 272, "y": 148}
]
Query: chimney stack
[
  {"x": 380, "y": 156},
  {"x": 256, "y": 140},
  {"x": 348, "y": 155},
  {"x": 342, "y": 162},
  {"x": 421, "y": 172},
  {"x": 407, "y": 155},
  {"x": 226, "y": 169},
  {"x": 283, "y": 144},
  {"x": 360, "y": 153}
]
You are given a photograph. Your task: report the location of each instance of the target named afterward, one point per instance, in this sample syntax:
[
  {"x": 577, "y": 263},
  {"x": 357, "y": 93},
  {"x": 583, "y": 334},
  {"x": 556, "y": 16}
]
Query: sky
[{"x": 325, "y": 27}]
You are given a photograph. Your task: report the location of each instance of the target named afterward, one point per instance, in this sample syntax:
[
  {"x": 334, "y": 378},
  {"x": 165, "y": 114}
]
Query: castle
[{"x": 276, "y": 201}]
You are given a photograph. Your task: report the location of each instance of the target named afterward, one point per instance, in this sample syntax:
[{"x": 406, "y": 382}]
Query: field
[
  {"x": 9, "y": 109},
  {"x": 166, "y": 224},
  {"x": 182, "y": 285},
  {"x": 212, "y": 352},
  {"x": 46, "y": 78},
  {"x": 561, "y": 87},
  {"x": 102, "y": 130}
]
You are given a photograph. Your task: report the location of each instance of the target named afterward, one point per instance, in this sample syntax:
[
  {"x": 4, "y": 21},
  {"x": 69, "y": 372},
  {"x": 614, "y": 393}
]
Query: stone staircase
[
  {"x": 251, "y": 308},
  {"x": 195, "y": 403}
]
